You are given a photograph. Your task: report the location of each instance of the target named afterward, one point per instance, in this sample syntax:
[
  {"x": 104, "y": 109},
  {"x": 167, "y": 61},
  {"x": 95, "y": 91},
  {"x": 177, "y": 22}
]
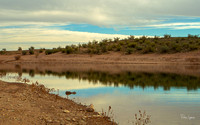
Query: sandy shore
[{"x": 23, "y": 104}]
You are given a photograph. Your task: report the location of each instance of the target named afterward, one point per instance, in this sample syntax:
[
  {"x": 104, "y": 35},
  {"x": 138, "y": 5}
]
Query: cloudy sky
[{"x": 62, "y": 21}]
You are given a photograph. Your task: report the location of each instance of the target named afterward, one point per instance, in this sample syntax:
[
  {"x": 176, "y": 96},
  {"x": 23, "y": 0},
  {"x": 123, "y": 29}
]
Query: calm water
[{"x": 170, "y": 99}]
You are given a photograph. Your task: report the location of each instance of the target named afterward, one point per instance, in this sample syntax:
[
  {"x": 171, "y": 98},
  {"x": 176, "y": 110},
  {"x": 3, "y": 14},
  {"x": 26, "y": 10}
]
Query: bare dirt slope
[
  {"x": 110, "y": 58},
  {"x": 23, "y": 104}
]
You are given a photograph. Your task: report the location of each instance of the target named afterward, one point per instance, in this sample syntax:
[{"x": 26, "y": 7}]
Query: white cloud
[
  {"x": 31, "y": 16},
  {"x": 97, "y": 12},
  {"x": 191, "y": 25},
  {"x": 50, "y": 35}
]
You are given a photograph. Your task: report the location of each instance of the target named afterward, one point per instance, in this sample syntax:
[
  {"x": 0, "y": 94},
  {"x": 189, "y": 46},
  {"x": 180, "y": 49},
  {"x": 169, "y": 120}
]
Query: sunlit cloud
[
  {"x": 187, "y": 25},
  {"x": 28, "y": 21},
  {"x": 50, "y": 35}
]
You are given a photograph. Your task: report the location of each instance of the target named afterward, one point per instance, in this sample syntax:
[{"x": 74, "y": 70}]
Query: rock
[
  {"x": 98, "y": 116},
  {"x": 49, "y": 120},
  {"x": 62, "y": 123},
  {"x": 90, "y": 108},
  {"x": 73, "y": 119},
  {"x": 66, "y": 111},
  {"x": 68, "y": 119},
  {"x": 81, "y": 122}
]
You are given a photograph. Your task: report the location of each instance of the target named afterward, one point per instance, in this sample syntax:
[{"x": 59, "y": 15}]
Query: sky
[{"x": 47, "y": 23}]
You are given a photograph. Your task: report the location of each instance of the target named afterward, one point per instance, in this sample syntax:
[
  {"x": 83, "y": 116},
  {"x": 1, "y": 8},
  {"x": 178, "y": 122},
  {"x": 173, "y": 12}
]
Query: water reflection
[
  {"x": 167, "y": 97},
  {"x": 128, "y": 79}
]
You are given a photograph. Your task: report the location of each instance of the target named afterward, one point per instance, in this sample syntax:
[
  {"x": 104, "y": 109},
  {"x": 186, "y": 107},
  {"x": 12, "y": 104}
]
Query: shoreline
[
  {"x": 188, "y": 58},
  {"x": 22, "y": 104}
]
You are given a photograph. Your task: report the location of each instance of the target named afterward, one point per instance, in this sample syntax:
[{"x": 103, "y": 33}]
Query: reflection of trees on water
[{"x": 129, "y": 79}]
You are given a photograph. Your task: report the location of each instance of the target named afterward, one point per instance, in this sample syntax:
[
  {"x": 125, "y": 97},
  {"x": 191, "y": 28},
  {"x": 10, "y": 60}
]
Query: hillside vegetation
[{"x": 143, "y": 45}]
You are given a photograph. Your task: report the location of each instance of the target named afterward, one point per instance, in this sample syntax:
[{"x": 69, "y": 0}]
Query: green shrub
[
  {"x": 19, "y": 48},
  {"x": 41, "y": 50},
  {"x": 31, "y": 52},
  {"x": 24, "y": 52},
  {"x": 68, "y": 50},
  {"x": 147, "y": 49},
  {"x": 166, "y": 36},
  {"x": 129, "y": 51},
  {"x": 48, "y": 52},
  {"x": 164, "y": 49},
  {"x": 139, "y": 47},
  {"x": 193, "y": 47},
  {"x": 132, "y": 44}
]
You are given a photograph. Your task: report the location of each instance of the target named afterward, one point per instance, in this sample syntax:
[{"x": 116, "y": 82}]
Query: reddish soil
[
  {"x": 110, "y": 58},
  {"x": 23, "y": 104}
]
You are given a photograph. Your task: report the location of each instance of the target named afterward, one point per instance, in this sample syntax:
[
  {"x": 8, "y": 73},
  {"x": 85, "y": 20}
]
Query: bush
[
  {"x": 68, "y": 50},
  {"x": 31, "y": 52},
  {"x": 147, "y": 49},
  {"x": 48, "y": 52},
  {"x": 24, "y": 52},
  {"x": 193, "y": 47},
  {"x": 164, "y": 49},
  {"x": 41, "y": 50},
  {"x": 132, "y": 44},
  {"x": 129, "y": 51},
  {"x": 166, "y": 36},
  {"x": 17, "y": 57}
]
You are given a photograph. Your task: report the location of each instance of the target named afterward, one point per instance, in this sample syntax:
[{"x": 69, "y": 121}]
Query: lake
[{"x": 169, "y": 97}]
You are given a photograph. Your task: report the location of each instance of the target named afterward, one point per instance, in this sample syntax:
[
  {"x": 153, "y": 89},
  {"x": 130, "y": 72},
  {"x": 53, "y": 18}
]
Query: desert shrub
[
  {"x": 17, "y": 57},
  {"x": 193, "y": 47},
  {"x": 192, "y": 36},
  {"x": 110, "y": 47},
  {"x": 156, "y": 37},
  {"x": 131, "y": 37},
  {"x": 138, "y": 47},
  {"x": 166, "y": 36},
  {"x": 31, "y": 52},
  {"x": 48, "y": 52},
  {"x": 147, "y": 49},
  {"x": 31, "y": 48},
  {"x": 84, "y": 45},
  {"x": 3, "y": 51},
  {"x": 89, "y": 50},
  {"x": 24, "y": 52},
  {"x": 104, "y": 49},
  {"x": 121, "y": 43},
  {"x": 116, "y": 39},
  {"x": 164, "y": 49},
  {"x": 19, "y": 48},
  {"x": 132, "y": 44},
  {"x": 143, "y": 38},
  {"x": 68, "y": 50},
  {"x": 118, "y": 48},
  {"x": 129, "y": 51},
  {"x": 41, "y": 50}
]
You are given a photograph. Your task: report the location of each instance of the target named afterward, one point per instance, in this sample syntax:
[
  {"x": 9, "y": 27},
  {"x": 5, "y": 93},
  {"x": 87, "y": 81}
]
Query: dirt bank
[
  {"x": 23, "y": 104},
  {"x": 192, "y": 58}
]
